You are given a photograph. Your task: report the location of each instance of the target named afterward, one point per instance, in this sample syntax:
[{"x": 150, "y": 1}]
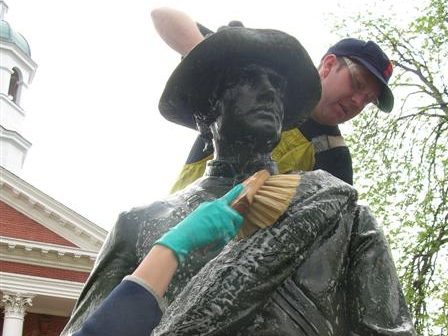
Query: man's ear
[{"x": 328, "y": 62}]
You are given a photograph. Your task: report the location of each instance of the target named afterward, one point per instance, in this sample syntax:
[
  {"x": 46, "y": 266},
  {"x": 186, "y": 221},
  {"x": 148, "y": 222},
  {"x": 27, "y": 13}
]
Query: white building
[{"x": 46, "y": 249}]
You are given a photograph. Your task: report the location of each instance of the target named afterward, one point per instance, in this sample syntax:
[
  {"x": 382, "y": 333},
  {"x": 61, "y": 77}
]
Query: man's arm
[
  {"x": 132, "y": 307},
  {"x": 330, "y": 151},
  {"x": 337, "y": 161},
  {"x": 182, "y": 34},
  {"x": 117, "y": 258},
  {"x": 177, "y": 29}
]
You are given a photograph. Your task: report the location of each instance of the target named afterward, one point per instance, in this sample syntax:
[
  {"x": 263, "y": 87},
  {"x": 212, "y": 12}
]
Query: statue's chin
[{"x": 266, "y": 143}]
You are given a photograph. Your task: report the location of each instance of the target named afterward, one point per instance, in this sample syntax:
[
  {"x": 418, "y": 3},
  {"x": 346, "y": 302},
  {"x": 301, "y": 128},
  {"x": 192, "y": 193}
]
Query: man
[
  {"x": 249, "y": 105},
  {"x": 323, "y": 267},
  {"x": 353, "y": 75}
]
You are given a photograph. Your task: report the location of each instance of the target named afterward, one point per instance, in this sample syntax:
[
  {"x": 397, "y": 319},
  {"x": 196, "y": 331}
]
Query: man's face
[
  {"x": 251, "y": 106},
  {"x": 347, "y": 87}
]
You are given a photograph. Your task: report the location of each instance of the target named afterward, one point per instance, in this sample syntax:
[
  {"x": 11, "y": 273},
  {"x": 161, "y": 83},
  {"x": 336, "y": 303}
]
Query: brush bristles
[{"x": 269, "y": 203}]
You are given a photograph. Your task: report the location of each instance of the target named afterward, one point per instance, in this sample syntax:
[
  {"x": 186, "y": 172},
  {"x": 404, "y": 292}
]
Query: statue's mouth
[{"x": 267, "y": 111}]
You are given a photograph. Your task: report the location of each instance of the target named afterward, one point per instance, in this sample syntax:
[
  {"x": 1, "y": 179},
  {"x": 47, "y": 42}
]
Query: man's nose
[{"x": 359, "y": 100}]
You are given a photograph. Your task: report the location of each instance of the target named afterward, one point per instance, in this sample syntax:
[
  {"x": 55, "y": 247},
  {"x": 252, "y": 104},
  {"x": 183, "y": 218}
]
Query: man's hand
[
  {"x": 211, "y": 222},
  {"x": 177, "y": 29}
]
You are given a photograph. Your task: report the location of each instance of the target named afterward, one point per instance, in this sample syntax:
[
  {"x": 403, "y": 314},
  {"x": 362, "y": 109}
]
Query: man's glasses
[{"x": 359, "y": 84}]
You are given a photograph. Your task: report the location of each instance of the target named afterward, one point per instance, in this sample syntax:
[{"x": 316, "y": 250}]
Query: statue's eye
[
  {"x": 248, "y": 76},
  {"x": 277, "y": 81}
]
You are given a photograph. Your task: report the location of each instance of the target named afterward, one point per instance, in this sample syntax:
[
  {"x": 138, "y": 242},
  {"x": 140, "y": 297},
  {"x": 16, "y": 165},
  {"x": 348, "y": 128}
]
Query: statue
[{"x": 323, "y": 269}]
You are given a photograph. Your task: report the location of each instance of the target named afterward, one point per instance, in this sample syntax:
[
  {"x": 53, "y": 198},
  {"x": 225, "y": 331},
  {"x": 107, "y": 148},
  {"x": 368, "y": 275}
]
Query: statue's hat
[{"x": 190, "y": 86}]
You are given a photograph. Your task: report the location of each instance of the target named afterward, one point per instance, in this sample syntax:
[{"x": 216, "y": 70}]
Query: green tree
[{"x": 401, "y": 159}]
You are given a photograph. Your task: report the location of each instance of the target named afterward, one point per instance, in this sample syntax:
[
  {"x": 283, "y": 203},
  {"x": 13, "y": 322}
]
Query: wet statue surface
[{"x": 323, "y": 269}]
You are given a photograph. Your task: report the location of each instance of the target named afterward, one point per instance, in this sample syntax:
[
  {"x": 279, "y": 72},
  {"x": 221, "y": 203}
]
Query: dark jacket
[{"x": 130, "y": 309}]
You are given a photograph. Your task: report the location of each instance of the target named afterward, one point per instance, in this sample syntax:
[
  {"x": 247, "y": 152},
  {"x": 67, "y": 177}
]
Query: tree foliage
[{"x": 401, "y": 158}]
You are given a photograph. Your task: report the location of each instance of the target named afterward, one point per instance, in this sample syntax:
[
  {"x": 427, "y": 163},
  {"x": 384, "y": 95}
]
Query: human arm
[
  {"x": 337, "y": 161},
  {"x": 115, "y": 260},
  {"x": 330, "y": 151},
  {"x": 212, "y": 222},
  {"x": 182, "y": 34},
  {"x": 132, "y": 307},
  {"x": 177, "y": 29}
]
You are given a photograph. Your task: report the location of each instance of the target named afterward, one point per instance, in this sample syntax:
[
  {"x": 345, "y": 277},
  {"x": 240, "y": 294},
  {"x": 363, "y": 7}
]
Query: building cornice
[
  {"x": 15, "y": 137},
  {"x": 8, "y": 101},
  {"x": 45, "y": 254},
  {"x": 19, "y": 283},
  {"x": 48, "y": 212}
]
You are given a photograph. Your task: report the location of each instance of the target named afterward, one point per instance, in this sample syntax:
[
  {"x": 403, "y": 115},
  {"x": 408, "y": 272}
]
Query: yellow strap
[
  {"x": 293, "y": 153},
  {"x": 190, "y": 173}
]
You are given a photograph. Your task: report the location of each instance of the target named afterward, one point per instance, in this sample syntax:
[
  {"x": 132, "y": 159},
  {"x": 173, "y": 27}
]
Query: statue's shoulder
[
  {"x": 322, "y": 181},
  {"x": 174, "y": 205},
  {"x": 161, "y": 207},
  {"x": 319, "y": 188}
]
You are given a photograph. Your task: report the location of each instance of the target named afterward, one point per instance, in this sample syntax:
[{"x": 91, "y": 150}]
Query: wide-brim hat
[{"x": 190, "y": 86}]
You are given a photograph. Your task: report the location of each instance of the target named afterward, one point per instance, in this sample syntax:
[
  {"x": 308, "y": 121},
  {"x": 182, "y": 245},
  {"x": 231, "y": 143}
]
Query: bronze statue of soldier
[{"x": 323, "y": 268}]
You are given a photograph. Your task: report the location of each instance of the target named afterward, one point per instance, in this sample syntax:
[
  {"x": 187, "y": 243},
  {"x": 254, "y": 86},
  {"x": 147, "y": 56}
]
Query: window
[{"x": 15, "y": 85}]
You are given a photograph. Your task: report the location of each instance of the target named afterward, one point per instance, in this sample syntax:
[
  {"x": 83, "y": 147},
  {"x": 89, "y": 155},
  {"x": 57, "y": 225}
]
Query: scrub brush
[{"x": 264, "y": 199}]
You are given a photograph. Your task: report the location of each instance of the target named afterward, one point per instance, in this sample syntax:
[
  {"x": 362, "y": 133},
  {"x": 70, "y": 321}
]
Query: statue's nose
[{"x": 267, "y": 90}]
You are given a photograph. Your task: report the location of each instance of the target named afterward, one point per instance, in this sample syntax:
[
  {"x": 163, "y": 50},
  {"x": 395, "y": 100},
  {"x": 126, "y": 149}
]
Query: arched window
[{"x": 15, "y": 85}]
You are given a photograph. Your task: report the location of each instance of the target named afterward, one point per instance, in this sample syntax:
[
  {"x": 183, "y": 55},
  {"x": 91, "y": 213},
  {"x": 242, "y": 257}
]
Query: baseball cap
[{"x": 370, "y": 55}]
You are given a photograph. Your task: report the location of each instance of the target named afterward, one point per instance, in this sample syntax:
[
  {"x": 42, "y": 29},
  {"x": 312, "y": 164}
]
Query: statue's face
[{"x": 251, "y": 106}]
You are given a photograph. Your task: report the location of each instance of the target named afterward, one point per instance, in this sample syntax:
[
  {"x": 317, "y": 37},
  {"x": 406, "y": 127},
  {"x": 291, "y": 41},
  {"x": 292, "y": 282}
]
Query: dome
[{"x": 9, "y": 35}]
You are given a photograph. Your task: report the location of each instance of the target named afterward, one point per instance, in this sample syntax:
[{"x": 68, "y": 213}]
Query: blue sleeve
[{"x": 128, "y": 310}]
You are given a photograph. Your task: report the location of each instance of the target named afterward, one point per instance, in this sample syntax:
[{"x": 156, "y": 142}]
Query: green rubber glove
[{"x": 211, "y": 222}]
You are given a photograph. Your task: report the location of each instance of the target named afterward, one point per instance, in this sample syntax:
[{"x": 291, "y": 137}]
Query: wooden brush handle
[{"x": 251, "y": 186}]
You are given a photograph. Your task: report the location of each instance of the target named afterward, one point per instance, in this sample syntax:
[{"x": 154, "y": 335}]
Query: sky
[{"x": 100, "y": 145}]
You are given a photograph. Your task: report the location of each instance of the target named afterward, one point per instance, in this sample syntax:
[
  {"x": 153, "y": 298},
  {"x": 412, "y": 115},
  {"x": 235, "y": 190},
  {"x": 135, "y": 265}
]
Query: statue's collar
[{"x": 221, "y": 168}]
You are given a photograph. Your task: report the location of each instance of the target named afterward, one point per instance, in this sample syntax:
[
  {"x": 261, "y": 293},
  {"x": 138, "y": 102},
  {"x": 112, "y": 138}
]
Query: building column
[{"x": 15, "y": 307}]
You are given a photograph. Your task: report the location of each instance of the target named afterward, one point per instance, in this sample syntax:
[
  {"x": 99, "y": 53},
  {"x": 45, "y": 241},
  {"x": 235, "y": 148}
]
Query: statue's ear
[
  {"x": 205, "y": 132},
  {"x": 208, "y": 147}
]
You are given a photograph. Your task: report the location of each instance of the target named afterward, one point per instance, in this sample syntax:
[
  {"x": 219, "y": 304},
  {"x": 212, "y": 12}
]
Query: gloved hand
[{"x": 211, "y": 222}]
